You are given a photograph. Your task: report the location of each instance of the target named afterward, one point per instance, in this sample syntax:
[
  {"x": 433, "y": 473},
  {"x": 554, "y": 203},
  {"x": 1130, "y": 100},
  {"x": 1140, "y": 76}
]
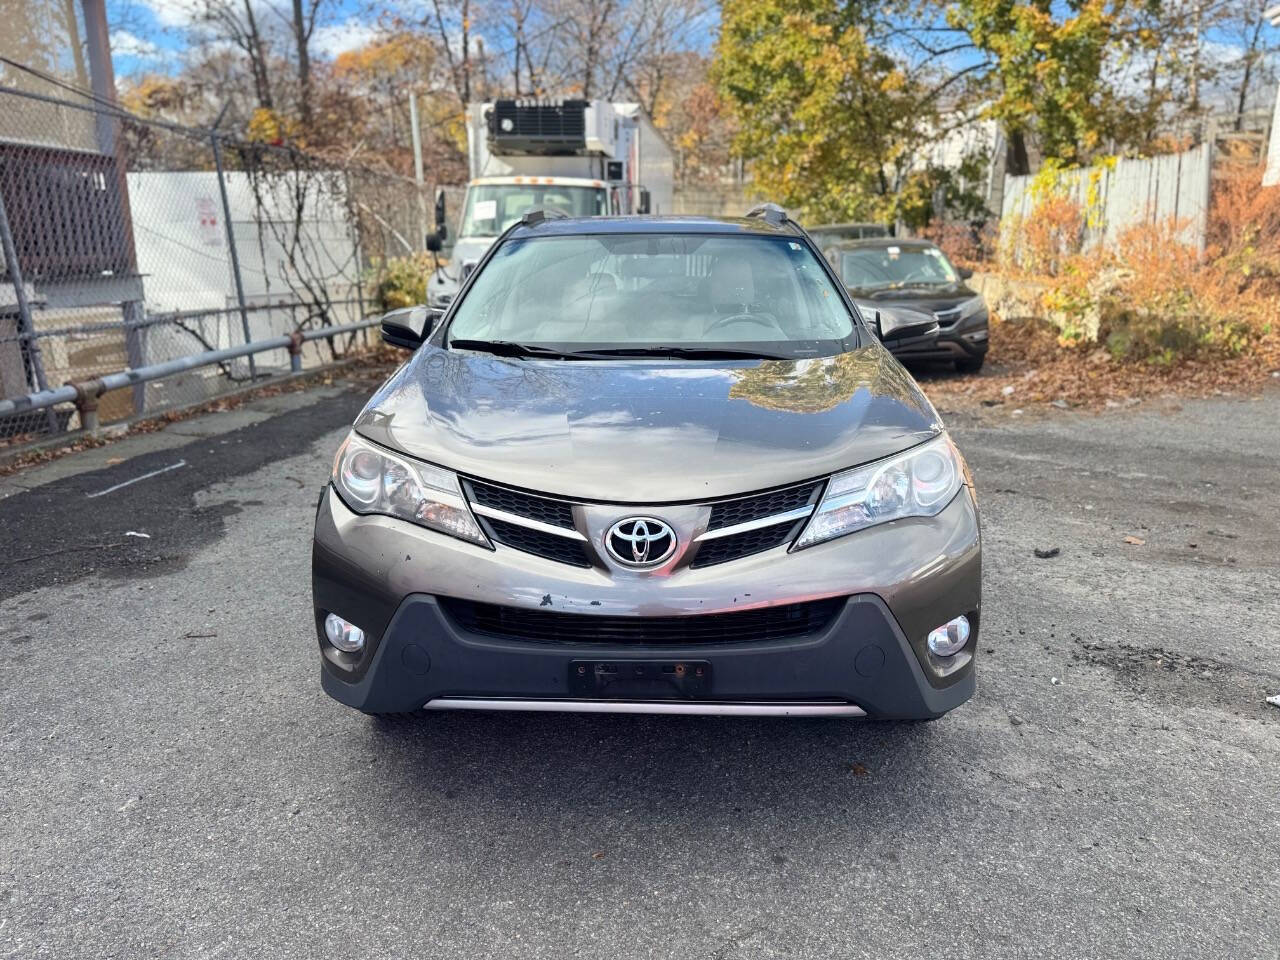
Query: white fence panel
[{"x": 1175, "y": 186}]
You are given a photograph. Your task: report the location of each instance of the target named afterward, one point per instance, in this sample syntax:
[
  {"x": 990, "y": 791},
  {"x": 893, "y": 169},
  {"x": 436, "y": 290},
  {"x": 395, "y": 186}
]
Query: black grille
[
  {"x": 549, "y": 545},
  {"x": 555, "y": 512},
  {"x": 726, "y": 513},
  {"x": 546, "y": 626},
  {"x": 738, "y": 545}
]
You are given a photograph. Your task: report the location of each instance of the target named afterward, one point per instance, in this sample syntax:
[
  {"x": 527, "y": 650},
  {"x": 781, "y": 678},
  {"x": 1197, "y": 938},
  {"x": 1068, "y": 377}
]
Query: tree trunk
[
  {"x": 1197, "y": 16},
  {"x": 257, "y": 51},
  {"x": 466, "y": 52},
  {"x": 1250, "y": 55},
  {"x": 304, "y": 65}
]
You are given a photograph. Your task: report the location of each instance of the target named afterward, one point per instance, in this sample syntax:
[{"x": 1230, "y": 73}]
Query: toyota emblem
[{"x": 640, "y": 542}]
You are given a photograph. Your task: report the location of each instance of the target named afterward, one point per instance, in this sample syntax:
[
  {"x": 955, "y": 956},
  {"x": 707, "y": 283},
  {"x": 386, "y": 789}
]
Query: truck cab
[{"x": 585, "y": 158}]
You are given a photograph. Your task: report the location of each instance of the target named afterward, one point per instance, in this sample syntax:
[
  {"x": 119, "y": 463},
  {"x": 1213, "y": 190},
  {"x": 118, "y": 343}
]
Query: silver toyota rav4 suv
[{"x": 649, "y": 464}]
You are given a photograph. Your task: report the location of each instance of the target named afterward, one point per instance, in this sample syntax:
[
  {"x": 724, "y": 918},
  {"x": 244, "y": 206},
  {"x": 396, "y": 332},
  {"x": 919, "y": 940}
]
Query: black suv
[{"x": 887, "y": 272}]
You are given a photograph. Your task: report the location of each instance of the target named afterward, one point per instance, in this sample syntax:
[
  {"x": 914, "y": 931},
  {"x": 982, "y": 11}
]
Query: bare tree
[
  {"x": 1253, "y": 56},
  {"x": 452, "y": 21},
  {"x": 302, "y": 24},
  {"x": 236, "y": 22}
]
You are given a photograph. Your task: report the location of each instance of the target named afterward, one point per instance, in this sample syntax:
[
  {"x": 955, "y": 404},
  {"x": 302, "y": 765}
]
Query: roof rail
[
  {"x": 769, "y": 213},
  {"x": 532, "y": 218}
]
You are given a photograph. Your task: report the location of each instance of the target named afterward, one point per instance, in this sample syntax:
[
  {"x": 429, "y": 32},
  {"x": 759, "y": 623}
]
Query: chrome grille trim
[
  {"x": 790, "y": 516},
  {"x": 529, "y": 522},
  {"x": 947, "y": 317}
]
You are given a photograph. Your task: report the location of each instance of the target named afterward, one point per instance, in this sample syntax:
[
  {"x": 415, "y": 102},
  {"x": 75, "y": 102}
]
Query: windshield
[
  {"x": 874, "y": 267},
  {"x": 854, "y": 231},
  {"x": 491, "y": 208},
  {"x": 649, "y": 290}
]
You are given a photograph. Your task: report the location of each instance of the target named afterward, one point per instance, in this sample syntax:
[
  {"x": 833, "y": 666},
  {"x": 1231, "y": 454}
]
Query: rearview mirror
[
  {"x": 899, "y": 323},
  {"x": 409, "y": 326}
]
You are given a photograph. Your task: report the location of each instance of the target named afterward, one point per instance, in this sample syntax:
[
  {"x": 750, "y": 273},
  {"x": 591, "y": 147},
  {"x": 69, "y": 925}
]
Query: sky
[{"x": 150, "y": 35}]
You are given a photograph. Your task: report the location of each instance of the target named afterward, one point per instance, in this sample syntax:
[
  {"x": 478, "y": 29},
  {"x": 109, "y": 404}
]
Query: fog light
[
  {"x": 349, "y": 638},
  {"x": 950, "y": 638}
]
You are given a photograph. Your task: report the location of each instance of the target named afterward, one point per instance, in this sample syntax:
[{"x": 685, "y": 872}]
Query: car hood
[
  {"x": 933, "y": 300},
  {"x": 648, "y": 431}
]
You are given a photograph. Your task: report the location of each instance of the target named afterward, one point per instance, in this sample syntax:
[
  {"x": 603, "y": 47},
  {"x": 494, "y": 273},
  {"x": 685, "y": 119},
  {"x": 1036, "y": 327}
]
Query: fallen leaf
[
  {"x": 1047, "y": 554},
  {"x": 1135, "y": 541},
  {"x": 598, "y": 855},
  {"x": 858, "y": 770}
]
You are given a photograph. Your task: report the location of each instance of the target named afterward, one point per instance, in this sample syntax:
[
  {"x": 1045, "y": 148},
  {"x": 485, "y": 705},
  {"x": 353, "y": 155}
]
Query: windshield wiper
[{"x": 509, "y": 348}]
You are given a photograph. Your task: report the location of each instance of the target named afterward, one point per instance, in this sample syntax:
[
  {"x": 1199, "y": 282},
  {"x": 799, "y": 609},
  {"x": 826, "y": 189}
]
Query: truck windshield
[
  {"x": 654, "y": 293},
  {"x": 491, "y": 208}
]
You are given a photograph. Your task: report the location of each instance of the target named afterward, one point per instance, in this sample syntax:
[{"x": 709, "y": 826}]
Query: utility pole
[
  {"x": 1271, "y": 176},
  {"x": 416, "y": 133},
  {"x": 215, "y": 141}
]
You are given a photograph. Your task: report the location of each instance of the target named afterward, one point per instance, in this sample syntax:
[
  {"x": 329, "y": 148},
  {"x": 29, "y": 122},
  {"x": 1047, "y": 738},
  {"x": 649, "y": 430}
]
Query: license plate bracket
[{"x": 640, "y": 679}]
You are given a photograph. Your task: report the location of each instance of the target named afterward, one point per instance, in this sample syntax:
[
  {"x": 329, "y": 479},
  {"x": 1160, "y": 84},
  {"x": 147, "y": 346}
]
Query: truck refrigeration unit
[{"x": 585, "y": 158}]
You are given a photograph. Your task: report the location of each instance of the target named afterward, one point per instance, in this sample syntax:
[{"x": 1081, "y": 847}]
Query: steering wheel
[{"x": 759, "y": 319}]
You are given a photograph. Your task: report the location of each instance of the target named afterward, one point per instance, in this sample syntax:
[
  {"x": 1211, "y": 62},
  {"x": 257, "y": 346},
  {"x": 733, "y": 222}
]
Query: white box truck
[{"x": 585, "y": 158}]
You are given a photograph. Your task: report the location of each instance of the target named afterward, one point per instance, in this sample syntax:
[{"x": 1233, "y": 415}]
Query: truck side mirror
[
  {"x": 643, "y": 205},
  {"x": 441, "y": 228},
  {"x": 409, "y": 326},
  {"x": 435, "y": 242}
]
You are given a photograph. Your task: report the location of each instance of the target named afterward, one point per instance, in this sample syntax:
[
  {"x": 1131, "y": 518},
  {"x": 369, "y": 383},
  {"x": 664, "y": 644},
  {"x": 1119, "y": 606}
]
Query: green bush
[{"x": 400, "y": 281}]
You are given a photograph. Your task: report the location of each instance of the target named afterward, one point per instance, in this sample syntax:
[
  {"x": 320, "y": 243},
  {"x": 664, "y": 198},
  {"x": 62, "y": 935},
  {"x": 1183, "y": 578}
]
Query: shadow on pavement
[{"x": 666, "y": 772}]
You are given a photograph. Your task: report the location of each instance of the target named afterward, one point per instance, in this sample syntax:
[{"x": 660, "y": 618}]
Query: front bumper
[
  {"x": 900, "y": 580},
  {"x": 964, "y": 340}
]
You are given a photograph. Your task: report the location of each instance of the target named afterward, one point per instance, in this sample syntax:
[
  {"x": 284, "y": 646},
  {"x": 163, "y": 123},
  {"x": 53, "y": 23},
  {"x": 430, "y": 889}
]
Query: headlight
[
  {"x": 972, "y": 308},
  {"x": 918, "y": 483},
  {"x": 374, "y": 480}
]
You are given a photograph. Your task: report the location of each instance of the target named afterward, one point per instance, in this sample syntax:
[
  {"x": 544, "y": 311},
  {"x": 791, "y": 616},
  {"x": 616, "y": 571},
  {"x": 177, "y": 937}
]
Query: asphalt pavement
[{"x": 175, "y": 783}]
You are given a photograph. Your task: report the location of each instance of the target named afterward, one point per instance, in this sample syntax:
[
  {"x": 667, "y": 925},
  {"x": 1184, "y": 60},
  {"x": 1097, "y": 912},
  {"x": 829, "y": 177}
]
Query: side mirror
[
  {"x": 441, "y": 229},
  {"x": 409, "y": 326},
  {"x": 964, "y": 272},
  {"x": 435, "y": 242},
  {"x": 643, "y": 205},
  {"x": 900, "y": 323}
]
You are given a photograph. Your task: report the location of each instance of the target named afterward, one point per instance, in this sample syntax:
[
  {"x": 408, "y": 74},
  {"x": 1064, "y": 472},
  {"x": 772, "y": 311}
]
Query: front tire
[{"x": 971, "y": 364}]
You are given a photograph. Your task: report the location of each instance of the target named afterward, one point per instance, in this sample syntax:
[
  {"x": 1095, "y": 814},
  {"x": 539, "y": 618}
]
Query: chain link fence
[{"x": 130, "y": 242}]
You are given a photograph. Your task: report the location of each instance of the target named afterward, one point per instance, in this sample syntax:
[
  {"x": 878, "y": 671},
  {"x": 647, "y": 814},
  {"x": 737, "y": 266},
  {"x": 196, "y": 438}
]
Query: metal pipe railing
[{"x": 85, "y": 394}]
